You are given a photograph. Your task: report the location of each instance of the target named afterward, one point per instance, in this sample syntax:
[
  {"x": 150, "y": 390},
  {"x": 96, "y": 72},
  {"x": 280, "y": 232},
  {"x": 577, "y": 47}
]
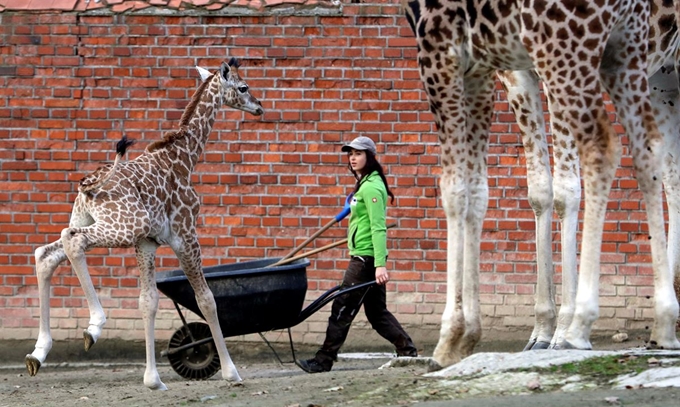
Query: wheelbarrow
[{"x": 251, "y": 297}]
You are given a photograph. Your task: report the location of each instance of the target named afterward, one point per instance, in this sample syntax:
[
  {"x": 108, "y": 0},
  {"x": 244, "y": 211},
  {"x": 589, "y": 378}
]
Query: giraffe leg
[
  {"x": 189, "y": 255},
  {"x": 674, "y": 223},
  {"x": 47, "y": 259},
  {"x": 479, "y": 105},
  {"x": 521, "y": 88},
  {"x": 665, "y": 97},
  {"x": 580, "y": 112},
  {"x": 148, "y": 304},
  {"x": 453, "y": 185},
  {"x": 76, "y": 243},
  {"x": 464, "y": 197},
  {"x": 626, "y": 89},
  {"x": 448, "y": 106},
  {"x": 599, "y": 160},
  {"x": 615, "y": 52},
  {"x": 567, "y": 199},
  {"x": 453, "y": 320}
]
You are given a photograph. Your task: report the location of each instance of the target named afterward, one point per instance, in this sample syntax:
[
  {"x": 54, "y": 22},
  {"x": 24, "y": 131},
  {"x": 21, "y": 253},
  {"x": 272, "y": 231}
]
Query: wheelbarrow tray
[{"x": 250, "y": 296}]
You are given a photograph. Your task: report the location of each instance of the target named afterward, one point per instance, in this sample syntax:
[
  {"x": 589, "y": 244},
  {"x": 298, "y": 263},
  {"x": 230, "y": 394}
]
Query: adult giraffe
[
  {"x": 144, "y": 203},
  {"x": 461, "y": 44},
  {"x": 522, "y": 91}
]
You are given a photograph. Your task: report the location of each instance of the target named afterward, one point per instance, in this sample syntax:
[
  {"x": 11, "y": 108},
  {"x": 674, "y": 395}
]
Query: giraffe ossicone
[
  {"x": 144, "y": 203},
  {"x": 205, "y": 74}
]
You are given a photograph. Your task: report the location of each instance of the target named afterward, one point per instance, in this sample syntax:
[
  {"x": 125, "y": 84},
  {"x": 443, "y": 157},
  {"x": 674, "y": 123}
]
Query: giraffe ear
[
  {"x": 224, "y": 70},
  {"x": 205, "y": 74}
]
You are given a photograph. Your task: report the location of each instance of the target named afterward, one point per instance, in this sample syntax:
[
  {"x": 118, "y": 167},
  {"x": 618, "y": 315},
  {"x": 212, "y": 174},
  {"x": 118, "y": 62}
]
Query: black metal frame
[{"x": 316, "y": 305}]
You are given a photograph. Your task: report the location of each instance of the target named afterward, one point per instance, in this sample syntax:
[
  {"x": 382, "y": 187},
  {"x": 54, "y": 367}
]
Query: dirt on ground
[
  {"x": 358, "y": 382},
  {"x": 113, "y": 376},
  {"x": 264, "y": 384}
]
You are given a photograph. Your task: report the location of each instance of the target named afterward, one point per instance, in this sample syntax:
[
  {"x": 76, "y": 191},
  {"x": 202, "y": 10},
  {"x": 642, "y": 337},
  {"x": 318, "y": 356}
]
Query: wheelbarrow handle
[
  {"x": 315, "y": 251},
  {"x": 329, "y": 296},
  {"x": 340, "y": 216},
  {"x": 309, "y": 253},
  {"x": 308, "y": 241}
]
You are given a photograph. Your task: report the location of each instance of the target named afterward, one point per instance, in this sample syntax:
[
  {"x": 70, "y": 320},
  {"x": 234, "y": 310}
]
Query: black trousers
[{"x": 345, "y": 308}]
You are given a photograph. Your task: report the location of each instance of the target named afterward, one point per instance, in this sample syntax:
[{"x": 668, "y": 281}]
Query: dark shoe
[
  {"x": 409, "y": 353},
  {"x": 313, "y": 366}
]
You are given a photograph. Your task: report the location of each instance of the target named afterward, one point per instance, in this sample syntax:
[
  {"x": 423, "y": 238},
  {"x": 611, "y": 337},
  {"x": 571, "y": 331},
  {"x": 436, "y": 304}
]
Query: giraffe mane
[
  {"x": 169, "y": 138},
  {"x": 173, "y": 135},
  {"x": 191, "y": 107}
]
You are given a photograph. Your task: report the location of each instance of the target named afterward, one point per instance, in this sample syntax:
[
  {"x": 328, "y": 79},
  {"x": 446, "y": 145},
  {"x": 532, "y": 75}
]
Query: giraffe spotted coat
[
  {"x": 578, "y": 49},
  {"x": 145, "y": 203}
]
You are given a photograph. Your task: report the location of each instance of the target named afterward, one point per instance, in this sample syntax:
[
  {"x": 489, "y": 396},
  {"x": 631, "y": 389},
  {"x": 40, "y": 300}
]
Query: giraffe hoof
[
  {"x": 564, "y": 345},
  {"x": 530, "y": 345},
  {"x": 540, "y": 345},
  {"x": 577, "y": 345},
  {"x": 89, "y": 340},
  {"x": 32, "y": 365},
  {"x": 160, "y": 386}
]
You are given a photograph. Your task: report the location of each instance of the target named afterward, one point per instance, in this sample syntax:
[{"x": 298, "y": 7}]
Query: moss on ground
[{"x": 605, "y": 368}]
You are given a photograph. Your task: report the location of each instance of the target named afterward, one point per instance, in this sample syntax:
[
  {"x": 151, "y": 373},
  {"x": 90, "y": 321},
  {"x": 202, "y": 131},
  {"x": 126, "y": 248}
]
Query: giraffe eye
[{"x": 243, "y": 89}]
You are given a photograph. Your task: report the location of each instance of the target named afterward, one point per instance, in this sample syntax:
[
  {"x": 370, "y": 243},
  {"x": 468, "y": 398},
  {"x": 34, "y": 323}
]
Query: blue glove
[{"x": 346, "y": 209}]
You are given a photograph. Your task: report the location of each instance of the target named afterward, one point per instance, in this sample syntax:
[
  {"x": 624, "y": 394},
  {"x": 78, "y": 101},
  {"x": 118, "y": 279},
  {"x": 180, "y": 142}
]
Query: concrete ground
[{"x": 111, "y": 375}]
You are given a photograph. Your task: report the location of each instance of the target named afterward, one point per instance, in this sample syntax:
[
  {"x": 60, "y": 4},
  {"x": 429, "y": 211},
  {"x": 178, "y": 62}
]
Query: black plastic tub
[{"x": 250, "y": 297}]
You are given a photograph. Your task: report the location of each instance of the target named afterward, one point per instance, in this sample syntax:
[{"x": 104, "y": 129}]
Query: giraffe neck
[{"x": 196, "y": 123}]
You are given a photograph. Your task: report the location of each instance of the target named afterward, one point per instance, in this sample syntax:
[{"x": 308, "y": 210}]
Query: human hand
[{"x": 381, "y": 276}]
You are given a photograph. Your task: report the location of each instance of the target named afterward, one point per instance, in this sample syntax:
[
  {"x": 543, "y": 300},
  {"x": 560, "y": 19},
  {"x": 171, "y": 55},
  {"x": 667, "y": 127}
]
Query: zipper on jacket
[{"x": 354, "y": 244}]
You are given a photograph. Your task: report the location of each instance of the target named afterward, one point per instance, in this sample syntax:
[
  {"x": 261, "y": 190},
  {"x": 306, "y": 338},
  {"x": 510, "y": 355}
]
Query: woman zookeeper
[{"x": 367, "y": 241}]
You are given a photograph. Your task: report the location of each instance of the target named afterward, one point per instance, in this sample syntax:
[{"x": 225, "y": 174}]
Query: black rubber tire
[{"x": 197, "y": 363}]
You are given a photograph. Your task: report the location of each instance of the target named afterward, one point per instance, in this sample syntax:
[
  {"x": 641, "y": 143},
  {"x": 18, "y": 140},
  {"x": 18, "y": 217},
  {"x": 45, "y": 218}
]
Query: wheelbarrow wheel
[{"x": 197, "y": 363}]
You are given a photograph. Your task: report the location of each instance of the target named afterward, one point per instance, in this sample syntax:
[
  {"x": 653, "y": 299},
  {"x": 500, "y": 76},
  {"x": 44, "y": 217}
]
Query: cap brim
[{"x": 346, "y": 148}]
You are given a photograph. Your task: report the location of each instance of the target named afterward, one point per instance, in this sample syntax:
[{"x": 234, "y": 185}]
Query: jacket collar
[{"x": 363, "y": 179}]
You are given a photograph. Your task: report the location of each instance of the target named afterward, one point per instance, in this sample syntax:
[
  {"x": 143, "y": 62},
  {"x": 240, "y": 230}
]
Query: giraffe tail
[{"x": 98, "y": 178}]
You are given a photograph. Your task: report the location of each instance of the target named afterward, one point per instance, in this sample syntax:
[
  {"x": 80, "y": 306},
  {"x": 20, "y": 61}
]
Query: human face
[{"x": 357, "y": 160}]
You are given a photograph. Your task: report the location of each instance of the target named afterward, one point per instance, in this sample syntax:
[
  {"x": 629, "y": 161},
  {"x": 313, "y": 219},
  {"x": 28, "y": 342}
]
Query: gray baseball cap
[{"x": 361, "y": 143}]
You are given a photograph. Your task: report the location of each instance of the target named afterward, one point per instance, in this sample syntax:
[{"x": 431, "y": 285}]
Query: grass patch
[{"x": 605, "y": 367}]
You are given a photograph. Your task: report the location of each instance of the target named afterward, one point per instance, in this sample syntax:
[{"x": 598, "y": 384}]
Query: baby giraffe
[{"x": 144, "y": 203}]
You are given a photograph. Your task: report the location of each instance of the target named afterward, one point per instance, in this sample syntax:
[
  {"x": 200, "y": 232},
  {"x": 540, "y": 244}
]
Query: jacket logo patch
[{"x": 375, "y": 200}]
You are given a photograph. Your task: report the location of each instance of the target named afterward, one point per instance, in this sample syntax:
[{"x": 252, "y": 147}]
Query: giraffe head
[{"x": 234, "y": 90}]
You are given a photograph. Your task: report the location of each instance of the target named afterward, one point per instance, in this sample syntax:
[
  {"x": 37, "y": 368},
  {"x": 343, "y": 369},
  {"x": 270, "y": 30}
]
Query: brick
[
  {"x": 267, "y": 183},
  {"x": 8, "y": 70}
]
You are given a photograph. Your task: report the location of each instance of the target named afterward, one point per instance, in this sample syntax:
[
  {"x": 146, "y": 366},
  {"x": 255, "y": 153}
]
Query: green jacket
[{"x": 367, "y": 234}]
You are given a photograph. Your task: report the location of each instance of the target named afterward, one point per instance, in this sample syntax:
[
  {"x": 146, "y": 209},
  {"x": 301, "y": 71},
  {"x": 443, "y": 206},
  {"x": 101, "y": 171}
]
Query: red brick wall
[{"x": 70, "y": 85}]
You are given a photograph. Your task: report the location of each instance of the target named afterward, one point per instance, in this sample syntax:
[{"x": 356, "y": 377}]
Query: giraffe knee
[
  {"x": 67, "y": 235},
  {"x": 454, "y": 197},
  {"x": 206, "y": 302},
  {"x": 41, "y": 257},
  {"x": 567, "y": 197},
  {"x": 47, "y": 258},
  {"x": 541, "y": 199},
  {"x": 74, "y": 243}
]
